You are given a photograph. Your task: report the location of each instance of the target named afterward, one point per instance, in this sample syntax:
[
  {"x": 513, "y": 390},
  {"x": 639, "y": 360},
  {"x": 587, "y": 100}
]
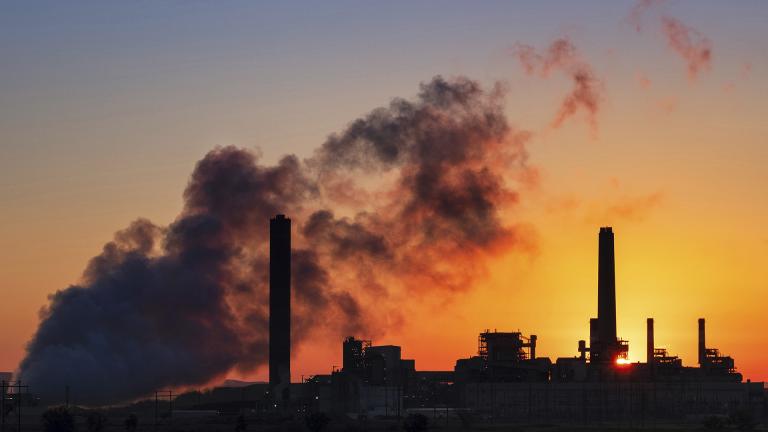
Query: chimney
[
  {"x": 594, "y": 340},
  {"x": 649, "y": 343},
  {"x": 702, "y": 342},
  {"x": 533, "y": 346},
  {"x": 606, "y": 296},
  {"x": 280, "y": 307}
]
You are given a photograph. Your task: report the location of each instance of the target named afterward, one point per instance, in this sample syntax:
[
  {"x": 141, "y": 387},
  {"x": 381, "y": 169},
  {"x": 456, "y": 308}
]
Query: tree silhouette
[
  {"x": 317, "y": 421},
  {"x": 95, "y": 421},
  {"x": 240, "y": 424},
  {"x": 58, "y": 419},
  {"x": 415, "y": 423},
  {"x": 131, "y": 422}
]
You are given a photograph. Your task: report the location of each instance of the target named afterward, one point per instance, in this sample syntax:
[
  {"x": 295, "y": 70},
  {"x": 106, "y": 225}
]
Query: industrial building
[
  {"x": 506, "y": 379},
  {"x": 600, "y": 385}
]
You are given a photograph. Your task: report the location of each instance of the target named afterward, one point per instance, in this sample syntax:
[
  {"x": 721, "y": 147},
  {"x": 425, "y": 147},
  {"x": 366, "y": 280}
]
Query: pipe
[
  {"x": 649, "y": 343},
  {"x": 702, "y": 342}
]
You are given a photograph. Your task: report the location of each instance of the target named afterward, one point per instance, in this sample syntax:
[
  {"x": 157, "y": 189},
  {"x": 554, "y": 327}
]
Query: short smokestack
[
  {"x": 649, "y": 343},
  {"x": 594, "y": 335},
  {"x": 702, "y": 342},
  {"x": 280, "y": 306},
  {"x": 533, "y": 346}
]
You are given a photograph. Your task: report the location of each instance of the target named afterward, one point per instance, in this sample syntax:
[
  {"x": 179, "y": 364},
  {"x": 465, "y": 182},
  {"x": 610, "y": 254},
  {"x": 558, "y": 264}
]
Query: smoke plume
[
  {"x": 563, "y": 56},
  {"x": 410, "y": 198}
]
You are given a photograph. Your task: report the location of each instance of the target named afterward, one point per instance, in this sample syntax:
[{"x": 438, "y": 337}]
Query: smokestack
[
  {"x": 649, "y": 343},
  {"x": 702, "y": 342},
  {"x": 606, "y": 295},
  {"x": 533, "y": 346},
  {"x": 280, "y": 306},
  {"x": 594, "y": 339}
]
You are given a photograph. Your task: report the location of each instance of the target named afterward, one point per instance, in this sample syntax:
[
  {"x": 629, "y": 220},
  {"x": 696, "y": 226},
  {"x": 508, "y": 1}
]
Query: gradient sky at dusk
[{"x": 106, "y": 106}]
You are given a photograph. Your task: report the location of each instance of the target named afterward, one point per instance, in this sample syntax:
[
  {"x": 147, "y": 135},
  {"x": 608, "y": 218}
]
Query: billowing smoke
[
  {"x": 688, "y": 43},
  {"x": 410, "y": 198},
  {"x": 563, "y": 56}
]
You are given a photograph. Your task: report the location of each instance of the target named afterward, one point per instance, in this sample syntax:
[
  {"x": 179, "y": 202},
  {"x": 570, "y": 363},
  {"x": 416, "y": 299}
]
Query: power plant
[{"x": 506, "y": 379}]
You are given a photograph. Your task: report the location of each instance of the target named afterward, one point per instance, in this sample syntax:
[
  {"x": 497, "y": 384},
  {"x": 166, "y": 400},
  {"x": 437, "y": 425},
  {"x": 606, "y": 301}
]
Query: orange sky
[{"x": 676, "y": 166}]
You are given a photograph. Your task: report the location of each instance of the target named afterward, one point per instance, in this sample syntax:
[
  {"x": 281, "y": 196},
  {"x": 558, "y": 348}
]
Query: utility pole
[
  {"x": 2, "y": 406},
  {"x": 18, "y": 401},
  {"x": 155, "y": 409},
  {"x": 169, "y": 393},
  {"x": 18, "y": 388}
]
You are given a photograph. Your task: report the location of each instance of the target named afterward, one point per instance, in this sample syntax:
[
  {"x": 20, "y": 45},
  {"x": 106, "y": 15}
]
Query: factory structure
[{"x": 506, "y": 379}]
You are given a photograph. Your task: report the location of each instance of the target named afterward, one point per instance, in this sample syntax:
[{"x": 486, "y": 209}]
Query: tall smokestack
[
  {"x": 702, "y": 342},
  {"x": 649, "y": 343},
  {"x": 280, "y": 306},
  {"x": 606, "y": 295}
]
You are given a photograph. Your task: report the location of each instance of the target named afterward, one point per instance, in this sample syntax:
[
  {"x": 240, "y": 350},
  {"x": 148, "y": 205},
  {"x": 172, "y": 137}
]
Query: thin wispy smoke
[
  {"x": 688, "y": 43},
  {"x": 635, "y": 17},
  {"x": 563, "y": 56},
  {"x": 691, "y": 45},
  {"x": 183, "y": 305},
  {"x": 618, "y": 207},
  {"x": 643, "y": 81},
  {"x": 629, "y": 207}
]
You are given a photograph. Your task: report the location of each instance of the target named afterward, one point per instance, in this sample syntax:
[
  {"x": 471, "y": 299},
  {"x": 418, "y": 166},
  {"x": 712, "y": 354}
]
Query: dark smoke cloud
[
  {"x": 563, "y": 56},
  {"x": 182, "y": 305},
  {"x": 139, "y": 322}
]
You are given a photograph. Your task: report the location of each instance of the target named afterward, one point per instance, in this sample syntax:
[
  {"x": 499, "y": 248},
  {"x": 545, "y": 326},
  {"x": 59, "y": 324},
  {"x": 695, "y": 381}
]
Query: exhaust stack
[
  {"x": 702, "y": 342},
  {"x": 280, "y": 307},
  {"x": 649, "y": 344},
  {"x": 605, "y": 325}
]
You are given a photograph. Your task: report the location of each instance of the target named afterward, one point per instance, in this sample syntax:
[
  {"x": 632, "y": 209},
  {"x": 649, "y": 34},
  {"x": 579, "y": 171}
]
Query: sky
[{"x": 107, "y": 106}]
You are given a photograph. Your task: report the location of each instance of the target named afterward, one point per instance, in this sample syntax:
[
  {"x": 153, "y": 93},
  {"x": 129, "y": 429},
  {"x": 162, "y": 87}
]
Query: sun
[{"x": 622, "y": 361}]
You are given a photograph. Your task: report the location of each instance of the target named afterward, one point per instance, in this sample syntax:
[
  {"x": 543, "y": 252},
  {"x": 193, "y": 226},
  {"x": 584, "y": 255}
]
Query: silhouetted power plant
[{"x": 506, "y": 378}]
